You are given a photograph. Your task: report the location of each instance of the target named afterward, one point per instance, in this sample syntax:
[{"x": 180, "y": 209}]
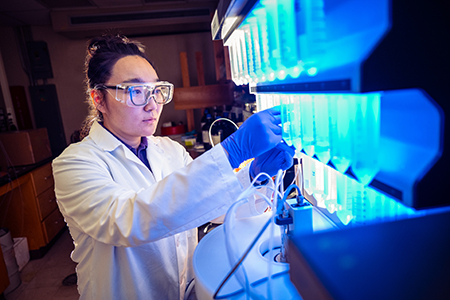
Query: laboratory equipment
[{"x": 362, "y": 96}]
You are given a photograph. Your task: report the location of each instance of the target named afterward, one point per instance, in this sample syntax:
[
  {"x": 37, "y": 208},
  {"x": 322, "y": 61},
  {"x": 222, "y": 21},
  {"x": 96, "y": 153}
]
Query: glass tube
[
  {"x": 249, "y": 51},
  {"x": 234, "y": 61},
  {"x": 331, "y": 199},
  {"x": 286, "y": 122},
  {"x": 287, "y": 37},
  {"x": 366, "y": 129},
  {"x": 310, "y": 20},
  {"x": 344, "y": 198},
  {"x": 322, "y": 128},
  {"x": 256, "y": 47},
  {"x": 308, "y": 178},
  {"x": 296, "y": 122},
  {"x": 263, "y": 34},
  {"x": 307, "y": 121},
  {"x": 271, "y": 9},
  {"x": 244, "y": 74},
  {"x": 340, "y": 113},
  {"x": 319, "y": 182},
  {"x": 358, "y": 203}
]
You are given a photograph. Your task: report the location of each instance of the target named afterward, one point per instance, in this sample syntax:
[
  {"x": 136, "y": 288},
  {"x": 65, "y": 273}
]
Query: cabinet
[{"x": 29, "y": 209}]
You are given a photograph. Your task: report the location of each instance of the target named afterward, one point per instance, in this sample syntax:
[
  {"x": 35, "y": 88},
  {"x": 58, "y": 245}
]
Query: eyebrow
[{"x": 138, "y": 80}]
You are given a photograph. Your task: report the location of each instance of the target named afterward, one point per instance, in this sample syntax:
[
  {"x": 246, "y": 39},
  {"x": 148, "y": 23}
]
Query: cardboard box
[{"x": 25, "y": 147}]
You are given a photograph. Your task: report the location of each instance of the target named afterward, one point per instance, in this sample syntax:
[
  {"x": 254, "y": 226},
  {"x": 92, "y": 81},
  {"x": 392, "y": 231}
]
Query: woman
[{"x": 132, "y": 201}]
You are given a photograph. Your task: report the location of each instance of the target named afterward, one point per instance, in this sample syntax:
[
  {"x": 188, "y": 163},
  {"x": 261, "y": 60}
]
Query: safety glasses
[{"x": 139, "y": 94}]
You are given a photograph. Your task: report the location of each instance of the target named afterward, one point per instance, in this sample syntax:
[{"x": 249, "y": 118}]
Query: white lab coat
[{"x": 134, "y": 230}]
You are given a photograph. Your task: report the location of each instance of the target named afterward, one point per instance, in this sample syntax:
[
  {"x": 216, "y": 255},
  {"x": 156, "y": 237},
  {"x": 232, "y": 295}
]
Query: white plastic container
[
  {"x": 7, "y": 245},
  {"x": 21, "y": 251}
]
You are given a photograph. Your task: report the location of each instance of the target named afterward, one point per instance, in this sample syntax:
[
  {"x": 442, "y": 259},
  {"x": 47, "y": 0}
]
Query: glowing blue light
[
  {"x": 282, "y": 74},
  {"x": 295, "y": 72},
  {"x": 312, "y": 71}
]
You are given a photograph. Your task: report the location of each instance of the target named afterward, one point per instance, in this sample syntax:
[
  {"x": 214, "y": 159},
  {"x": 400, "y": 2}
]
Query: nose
[{"x": 151, "y": 104}]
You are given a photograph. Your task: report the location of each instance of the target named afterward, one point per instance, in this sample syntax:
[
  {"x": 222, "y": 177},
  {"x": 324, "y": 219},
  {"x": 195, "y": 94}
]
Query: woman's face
[{"x": 130, "y": 123}]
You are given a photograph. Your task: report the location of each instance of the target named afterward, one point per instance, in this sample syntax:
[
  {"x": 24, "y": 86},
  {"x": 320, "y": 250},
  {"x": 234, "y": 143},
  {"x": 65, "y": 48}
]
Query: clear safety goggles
[{"x": 139, "y": 94}]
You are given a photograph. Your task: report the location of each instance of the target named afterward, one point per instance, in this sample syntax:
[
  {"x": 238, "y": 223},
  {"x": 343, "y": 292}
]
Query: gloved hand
[
  {"x": 280, "y": 157},
  {"x": 259, "y": 133}
]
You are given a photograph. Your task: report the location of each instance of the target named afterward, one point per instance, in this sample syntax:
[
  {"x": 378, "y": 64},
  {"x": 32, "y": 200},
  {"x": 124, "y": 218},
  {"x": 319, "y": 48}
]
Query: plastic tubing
[
  {"x": 228, "y": 226},
  {"x": 229, "y": 238},
  {"x": 210, "y": 127}
]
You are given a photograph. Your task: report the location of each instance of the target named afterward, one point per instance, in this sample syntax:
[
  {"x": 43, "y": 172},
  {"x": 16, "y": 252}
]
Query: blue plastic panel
[{"x": 307, "y": 40}]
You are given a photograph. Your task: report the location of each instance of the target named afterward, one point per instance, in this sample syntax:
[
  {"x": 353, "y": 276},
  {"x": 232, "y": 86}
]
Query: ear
[{"x": 97, "y": 100}]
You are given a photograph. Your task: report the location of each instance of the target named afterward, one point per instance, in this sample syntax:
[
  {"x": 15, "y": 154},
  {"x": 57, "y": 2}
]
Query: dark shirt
[{"x": 140, "y": 152}]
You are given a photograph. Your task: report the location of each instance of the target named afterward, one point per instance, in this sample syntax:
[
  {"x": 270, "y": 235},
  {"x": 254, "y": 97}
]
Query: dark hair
[{"x": 102, "y": 54}]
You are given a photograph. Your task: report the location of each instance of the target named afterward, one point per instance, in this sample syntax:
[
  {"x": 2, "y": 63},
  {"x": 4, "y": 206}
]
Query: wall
[{"x": 67, "y": 59}]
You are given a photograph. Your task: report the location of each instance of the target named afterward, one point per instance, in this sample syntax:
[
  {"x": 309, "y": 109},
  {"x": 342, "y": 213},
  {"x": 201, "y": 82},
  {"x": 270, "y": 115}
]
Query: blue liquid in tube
[
  {"x": 286, "y": 123},
  {"x": 267, "y": 100},
  {"x": 307, "y": 120},
  {"x": 366, "y": 139},
  {"x": 263, "y": 34},
  {"x": 249, "y": 50},
  {"x": 371, "y": 199},
  {"x": 273, "y": 37},
  {"x": 340, "y": 114},
  {"x": 308, "y": 178},
  {"x": 321, "y": 119},
  {"x": 276, "y": 100},
  {"x": 291, "y": 120},
  {"x": 233, "y": 58},
  {"x": 310, "y": 19},
  {"x": 358, "y": 203},
  {"x": 344, "y": 198},
  {"x": 319, "y": 182},
  {"x": 273, "y": 100},
  {"x": 243, "y": 49},
  {"x": 260, "y": 99},
  {"x": 296, "y": 122},
  {"x": 287, "y": 33},
  {"x": 256, "y": 46},
  {"x": 331, "y": 192},
  {"x": 239, "y": 55}
]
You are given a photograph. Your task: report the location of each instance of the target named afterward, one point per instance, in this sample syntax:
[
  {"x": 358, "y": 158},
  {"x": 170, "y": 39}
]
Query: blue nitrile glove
[
  {"x": 259, "y": 133},
  {"x": 280, "y": 157}
]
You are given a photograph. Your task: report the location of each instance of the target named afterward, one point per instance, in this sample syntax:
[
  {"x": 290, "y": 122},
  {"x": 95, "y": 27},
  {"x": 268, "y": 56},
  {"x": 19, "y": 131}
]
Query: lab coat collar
[
  {"x": 104, "y": 138},
  {"x": 155, "y": 154},
  {"x": 109, "y": 143}
]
